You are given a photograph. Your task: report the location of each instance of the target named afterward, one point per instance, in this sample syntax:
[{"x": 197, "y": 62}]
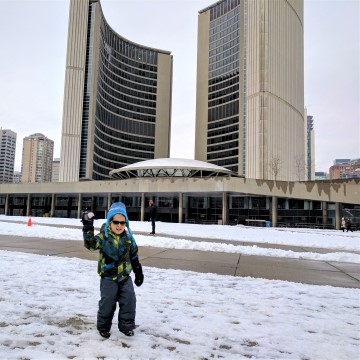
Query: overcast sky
[{"x": 33, "y": 37}]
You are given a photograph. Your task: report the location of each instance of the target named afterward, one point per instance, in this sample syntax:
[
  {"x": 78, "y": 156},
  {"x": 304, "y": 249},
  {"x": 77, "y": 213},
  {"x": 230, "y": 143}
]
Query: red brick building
[{"x": 345, "y": 170}]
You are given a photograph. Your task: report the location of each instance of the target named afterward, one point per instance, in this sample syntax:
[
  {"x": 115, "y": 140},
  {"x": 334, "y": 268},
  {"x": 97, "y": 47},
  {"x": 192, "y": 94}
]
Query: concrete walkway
[{"x": 295, "y": 270}]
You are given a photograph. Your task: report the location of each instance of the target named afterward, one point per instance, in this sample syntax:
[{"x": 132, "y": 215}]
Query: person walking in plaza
[
  {"x": 348, "y": 225},
  {"x": 343, "y": 224},
  {"x": 118, "y": 256},
  {"x": 153, "y": 215}
]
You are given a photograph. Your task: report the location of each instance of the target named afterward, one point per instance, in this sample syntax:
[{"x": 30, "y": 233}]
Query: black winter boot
[
  {"x": 128, "y": 332},
  {"x": 105, "y": 334}
]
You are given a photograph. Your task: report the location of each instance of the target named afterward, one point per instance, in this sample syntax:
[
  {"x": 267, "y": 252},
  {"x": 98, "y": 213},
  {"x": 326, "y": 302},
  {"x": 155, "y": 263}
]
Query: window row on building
[{"x": 195, "y": 208}]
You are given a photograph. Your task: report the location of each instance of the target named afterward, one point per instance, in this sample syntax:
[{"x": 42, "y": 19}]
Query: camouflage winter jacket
[{"x": 118, "y": 254}]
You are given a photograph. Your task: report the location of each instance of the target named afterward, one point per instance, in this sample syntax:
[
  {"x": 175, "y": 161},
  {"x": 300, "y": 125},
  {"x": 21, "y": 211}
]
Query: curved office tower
[
  {"x": 250, "y": 87},
  {"x": 117, "y": 99}
]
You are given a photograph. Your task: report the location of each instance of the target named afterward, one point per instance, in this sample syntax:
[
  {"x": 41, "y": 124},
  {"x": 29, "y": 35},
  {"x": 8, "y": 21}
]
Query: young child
[{"x": 118, "y": 255}]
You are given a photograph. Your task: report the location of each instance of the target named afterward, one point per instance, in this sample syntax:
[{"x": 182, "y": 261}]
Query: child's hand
[
  {"x": 139, "y": 276},
  {"x": 88, "y": 228},
  {"x": 88, "y": 222},
  {"x": 139, "y": 279},
  {"x": 89, "y": 218}
]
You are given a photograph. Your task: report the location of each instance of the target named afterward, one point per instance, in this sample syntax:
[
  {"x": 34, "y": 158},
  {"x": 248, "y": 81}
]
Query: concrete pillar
[
  {"x": 142, "y": 211},
  {"x": 180, "y": 207},
  {"x": 7, "y": 204},
  {"x": 274, "y": 210},
  {"x": 224, "y": 208},
  {"x": 286, "y": 204},
  {"x": 79, "y": 206},
  {"x": 109, "y": 201},
  {"x": 52, "y": 210},
  {"x": 324, "y": 212},
  {"x": 337, "y": 216},
  {"x": 28, "y": 207}
]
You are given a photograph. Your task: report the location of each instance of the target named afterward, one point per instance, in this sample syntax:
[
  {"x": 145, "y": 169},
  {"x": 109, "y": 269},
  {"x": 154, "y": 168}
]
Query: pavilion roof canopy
[{"x": 170, "y": 167}]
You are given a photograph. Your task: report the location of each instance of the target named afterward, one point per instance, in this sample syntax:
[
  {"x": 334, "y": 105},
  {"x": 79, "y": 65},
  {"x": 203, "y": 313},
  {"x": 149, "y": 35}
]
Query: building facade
[
  {"x": 7, "y": 155},
  {"x": 250, "y": 87},
  {"x": 37, "y": 157},
  {"x": 117, "y": 99},
  {"x": 219, "y": 199}
]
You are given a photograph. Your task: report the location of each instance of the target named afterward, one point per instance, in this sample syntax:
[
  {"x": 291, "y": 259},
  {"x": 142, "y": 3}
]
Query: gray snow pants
[{"x": 112, "y": 292}]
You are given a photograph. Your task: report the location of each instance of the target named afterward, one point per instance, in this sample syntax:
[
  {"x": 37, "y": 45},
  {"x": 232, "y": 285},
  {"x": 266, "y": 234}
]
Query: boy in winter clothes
[{"x": 118, "y": 255}]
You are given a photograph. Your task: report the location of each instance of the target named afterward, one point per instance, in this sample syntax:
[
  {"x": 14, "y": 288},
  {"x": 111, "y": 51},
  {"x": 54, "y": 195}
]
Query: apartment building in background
[
  {"x": 17, "y": 177},
  {"x": 7, "y": 155},
  {"x": 250, "y": 87},
  {"x": 341, "y": 161},
  {"x": 117, "y": 98},
  {"x": 55, "y": 170},
  {"x": 321, "y": 175},
  {"x": 345, "y": 169},
  {"x": 310, "y": 149},
  {"x": 37, "y": 157}
]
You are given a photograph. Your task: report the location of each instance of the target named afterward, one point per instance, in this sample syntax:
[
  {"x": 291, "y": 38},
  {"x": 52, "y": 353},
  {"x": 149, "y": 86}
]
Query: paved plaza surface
[{"x": 296, "y": 270}]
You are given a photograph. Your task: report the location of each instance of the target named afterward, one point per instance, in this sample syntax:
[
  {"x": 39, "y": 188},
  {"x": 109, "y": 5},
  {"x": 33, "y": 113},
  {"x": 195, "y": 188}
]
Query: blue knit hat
[{"x": 117, "y": 208}]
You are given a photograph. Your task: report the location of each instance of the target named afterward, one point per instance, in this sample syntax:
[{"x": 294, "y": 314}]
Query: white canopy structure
[{"x": 168, "y": 167}]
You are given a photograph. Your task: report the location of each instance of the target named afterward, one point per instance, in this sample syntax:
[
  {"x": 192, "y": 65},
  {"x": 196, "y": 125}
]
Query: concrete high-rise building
[
  {"x": 117, "y": 99},
  {"x": 37, "y": 157},
  {"x": 7, "y": 155},
  {"x": 250, "y": 87}
]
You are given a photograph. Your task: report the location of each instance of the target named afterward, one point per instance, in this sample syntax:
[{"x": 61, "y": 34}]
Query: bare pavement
[{"x": 295, "y": 270}]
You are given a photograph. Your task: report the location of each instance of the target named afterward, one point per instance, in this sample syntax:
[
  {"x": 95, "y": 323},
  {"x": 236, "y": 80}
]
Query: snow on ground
[
  {"x": 335, "y": 242},
  {"x": 49, "y": 303}
]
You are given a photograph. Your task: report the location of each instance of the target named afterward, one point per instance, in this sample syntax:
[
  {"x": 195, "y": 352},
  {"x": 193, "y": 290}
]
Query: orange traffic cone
[{"x": 29, "y": 222}]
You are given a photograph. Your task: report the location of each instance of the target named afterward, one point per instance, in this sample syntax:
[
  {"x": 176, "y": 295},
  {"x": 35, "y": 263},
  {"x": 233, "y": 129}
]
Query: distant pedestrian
[
  {"x": 153, "y": 215},
  {"x": 343, "y": 224},
  {"x": 348, "y": 225}
]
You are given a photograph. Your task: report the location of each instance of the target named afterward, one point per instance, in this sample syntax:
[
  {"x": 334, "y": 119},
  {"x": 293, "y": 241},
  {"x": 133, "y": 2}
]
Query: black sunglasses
[{"x": 115, "y": 222}]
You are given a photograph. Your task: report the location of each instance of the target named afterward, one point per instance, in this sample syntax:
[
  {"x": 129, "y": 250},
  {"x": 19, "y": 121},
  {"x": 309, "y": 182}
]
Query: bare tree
[
  {"x": 300, "y": 167},
  {"x": 275, "y": 165}
]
